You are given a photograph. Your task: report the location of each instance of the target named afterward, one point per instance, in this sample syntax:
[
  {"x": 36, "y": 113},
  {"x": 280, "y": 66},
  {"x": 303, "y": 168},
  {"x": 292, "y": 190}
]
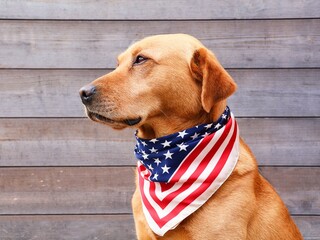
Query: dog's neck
[{"x": 165, "y": 125}]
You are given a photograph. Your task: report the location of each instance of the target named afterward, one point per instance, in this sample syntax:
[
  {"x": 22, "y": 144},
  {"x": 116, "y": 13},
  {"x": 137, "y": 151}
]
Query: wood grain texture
[
  {"x": 144, "y": 9},
  {"x": 60, "y": 142},
  {"x": 105, "y": 190},
  {"x": 113, "y": 227},
  {"x": 54, "y": 93},
  {"x": 48, "y": 142},
  {"x": 292, "y": 183},
  {"x": 283, "y": 141},
  {"x": 276, "y": 92},
  {"x": 95, "y": 44},
  {"x": 309, "y": 226},
  {"x": 94, "y": 227},
  {"x": 66, "y": 190}
]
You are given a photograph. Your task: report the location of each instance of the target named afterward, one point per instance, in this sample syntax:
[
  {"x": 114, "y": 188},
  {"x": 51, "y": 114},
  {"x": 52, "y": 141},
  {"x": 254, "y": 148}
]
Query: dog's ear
[{"x": 217, "y": 84}]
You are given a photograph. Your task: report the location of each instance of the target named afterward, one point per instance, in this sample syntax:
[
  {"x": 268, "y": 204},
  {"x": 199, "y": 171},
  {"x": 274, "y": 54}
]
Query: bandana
[{"x": 178, "y": 173}]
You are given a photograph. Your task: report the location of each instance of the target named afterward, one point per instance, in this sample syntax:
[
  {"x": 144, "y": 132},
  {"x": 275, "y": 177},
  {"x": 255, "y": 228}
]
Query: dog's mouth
[{"x": 99, "y": 118}]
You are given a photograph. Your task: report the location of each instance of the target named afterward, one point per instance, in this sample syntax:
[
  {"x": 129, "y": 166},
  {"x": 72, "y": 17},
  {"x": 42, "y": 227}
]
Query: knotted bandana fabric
[{"x": 178, "y": 173}]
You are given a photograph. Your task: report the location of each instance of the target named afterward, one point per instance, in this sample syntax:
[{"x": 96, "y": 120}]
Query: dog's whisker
[{"x": 164, "y": 114}]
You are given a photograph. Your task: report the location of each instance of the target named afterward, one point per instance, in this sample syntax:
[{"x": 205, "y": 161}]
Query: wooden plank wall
[{"x": 59, "y": 172}]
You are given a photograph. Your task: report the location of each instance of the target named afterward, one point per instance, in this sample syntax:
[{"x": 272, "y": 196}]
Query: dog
[{"x": 163, "y": 85}]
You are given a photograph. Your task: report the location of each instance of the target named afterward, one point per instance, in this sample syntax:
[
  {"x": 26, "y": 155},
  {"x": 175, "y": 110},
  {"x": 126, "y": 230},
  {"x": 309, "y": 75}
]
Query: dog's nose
[{"x": 86, "y": 93}]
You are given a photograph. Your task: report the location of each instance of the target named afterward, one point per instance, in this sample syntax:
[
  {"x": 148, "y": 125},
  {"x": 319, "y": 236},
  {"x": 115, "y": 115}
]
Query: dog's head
[{"x": 162, "y": 84}]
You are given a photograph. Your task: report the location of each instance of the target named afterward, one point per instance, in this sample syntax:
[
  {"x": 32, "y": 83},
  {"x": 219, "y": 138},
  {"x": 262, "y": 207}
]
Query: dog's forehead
[{"x": 163, "y": 45}]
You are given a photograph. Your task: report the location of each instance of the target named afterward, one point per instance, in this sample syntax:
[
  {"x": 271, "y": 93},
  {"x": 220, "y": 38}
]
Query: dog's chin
[{"x": 116, "y": 124}]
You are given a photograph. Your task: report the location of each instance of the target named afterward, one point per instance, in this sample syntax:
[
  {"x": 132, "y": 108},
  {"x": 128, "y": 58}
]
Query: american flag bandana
[{"x": 178, "y": 173}]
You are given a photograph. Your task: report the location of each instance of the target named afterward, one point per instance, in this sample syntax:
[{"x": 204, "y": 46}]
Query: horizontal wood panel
[
  {"x": 261, "y": 92},
  {"x": 66, "y": 190},
  {"x": 276, "y": 92},
  {"x": 283, "y": 141},
  {"x": 95, "y": 44},
  {"x": 84, "y": 227},
  {"x": 67, "y": 227},
  {"x": 104, "y": 190},
  {"x": 309, "y": 226},
  {"x": 100, "y": 226},
  {"x": 298, "y": 187},
  {"x": 144, "y": 9},
  {"x": 58, "y": 142}
]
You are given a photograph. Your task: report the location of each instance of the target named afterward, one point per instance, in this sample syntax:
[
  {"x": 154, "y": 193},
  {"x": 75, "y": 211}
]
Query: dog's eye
[{"x": 139, "y": 60}]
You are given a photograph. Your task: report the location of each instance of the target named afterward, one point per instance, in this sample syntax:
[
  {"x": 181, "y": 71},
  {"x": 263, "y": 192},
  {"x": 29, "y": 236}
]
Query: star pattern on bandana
[
  {"x": 162, "y": 156},
  {"x": 182, "y": 146}
]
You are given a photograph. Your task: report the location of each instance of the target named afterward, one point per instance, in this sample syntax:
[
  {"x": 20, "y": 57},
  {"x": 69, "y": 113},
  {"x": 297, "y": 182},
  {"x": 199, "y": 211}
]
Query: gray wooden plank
[
  {"x": 298, "y": 187},
  {"x": 72, "y": 142},
  {"x": 108, "y": 190},
  {"x": 95, "y": 44},
  {"x": 158, "y": 9},
  {"x": 44, "y": 93},
  {"x": 41, "y": 142},
  {"x": 84, "y": 227},
  {"x": 68, "y": 227},
  {"x": 309, "y": 226},
  {"x": 276, "y": 92},
  {"x": 66, "y": 190},
  {"x": 283, "y": 141},
  {"x": 261, "y": 92}
]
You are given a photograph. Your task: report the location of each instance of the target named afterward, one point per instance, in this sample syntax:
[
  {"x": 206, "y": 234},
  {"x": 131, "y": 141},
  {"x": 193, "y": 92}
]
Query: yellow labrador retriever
[{"x": 166, "y": 87}]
